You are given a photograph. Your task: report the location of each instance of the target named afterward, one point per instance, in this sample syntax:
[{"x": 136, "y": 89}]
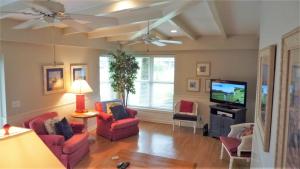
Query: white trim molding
[{"x": 3, "y": 115}]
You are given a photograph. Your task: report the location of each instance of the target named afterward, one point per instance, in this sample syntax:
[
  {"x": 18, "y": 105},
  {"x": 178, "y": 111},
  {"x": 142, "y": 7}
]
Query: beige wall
[
  {"x": 277, "y": 18},
  {"x": 24, "y": 78}
]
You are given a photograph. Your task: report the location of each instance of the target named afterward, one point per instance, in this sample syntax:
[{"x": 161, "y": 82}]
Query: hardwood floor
[{"x": 160, "y": 140}]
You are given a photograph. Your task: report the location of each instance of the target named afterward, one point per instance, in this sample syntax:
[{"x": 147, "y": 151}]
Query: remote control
[
  {"x": 119, "y": 165},
  {"x": 125, "y": 165}
]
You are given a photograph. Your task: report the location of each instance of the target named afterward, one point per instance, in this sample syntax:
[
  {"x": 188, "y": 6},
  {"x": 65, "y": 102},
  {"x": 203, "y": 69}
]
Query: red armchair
[
  {"x": 69, "y": 152},
  {"x": 113, "y": 129}
]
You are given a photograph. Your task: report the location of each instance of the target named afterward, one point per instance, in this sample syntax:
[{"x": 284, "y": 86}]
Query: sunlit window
[{"x": 154, "y": 84}]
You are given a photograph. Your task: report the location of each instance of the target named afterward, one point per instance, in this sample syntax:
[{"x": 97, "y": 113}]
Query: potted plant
[{"x": 123, "y": 69}]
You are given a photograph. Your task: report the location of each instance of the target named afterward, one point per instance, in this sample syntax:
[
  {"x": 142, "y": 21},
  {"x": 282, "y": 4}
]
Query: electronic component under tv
[{"x": 228, "y": 92}]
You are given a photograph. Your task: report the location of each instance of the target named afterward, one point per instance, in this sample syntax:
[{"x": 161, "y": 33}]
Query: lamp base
[{"x": 80, "y": 104}]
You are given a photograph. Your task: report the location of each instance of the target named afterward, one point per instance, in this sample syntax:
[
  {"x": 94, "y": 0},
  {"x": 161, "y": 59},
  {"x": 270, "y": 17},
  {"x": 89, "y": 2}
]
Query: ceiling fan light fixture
[
  {"x": 173, "y": 31},
  {"x": 124, "y": 5}
]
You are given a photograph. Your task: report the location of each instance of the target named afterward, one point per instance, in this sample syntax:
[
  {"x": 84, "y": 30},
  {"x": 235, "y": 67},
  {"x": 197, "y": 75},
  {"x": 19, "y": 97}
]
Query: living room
[{"x": 227, "y": 35}]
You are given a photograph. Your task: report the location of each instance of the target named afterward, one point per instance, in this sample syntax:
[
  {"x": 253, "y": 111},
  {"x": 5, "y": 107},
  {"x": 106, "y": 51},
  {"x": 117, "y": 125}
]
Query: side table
[{"x": 85, "y": 116}]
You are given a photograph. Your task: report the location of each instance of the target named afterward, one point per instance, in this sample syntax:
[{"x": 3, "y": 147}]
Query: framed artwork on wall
[
  {"x": 193, "y": 85},
  {"x": 288, "y": 134},
  {"x": 203, "y": 69},
  {"x": 265, "y": 85},
  {"x": 54, "y": 80},
  {"x": 78, "y": 71},
  {"x": 207, "y": 85}
]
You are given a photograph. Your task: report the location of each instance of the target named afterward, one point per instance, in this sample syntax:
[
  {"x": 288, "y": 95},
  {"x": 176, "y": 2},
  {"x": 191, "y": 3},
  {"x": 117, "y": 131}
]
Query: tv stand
[{"x": 223, "y": 116}]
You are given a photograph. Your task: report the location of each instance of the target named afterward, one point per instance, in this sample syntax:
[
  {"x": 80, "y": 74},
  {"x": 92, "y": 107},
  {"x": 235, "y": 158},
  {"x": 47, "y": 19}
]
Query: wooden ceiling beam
[
  {"x": 179, "y": 22},
  {"x": 214, "y": 11},
  {"x": 169, "y": 13},
  {"x": 118, "y": 30}
]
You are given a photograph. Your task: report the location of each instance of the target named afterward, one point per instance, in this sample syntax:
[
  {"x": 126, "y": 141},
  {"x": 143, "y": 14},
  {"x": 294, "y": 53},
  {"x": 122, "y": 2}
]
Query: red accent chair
[
  {"x": 113, "y": 129},
  {"x": 69, "y": 152}
]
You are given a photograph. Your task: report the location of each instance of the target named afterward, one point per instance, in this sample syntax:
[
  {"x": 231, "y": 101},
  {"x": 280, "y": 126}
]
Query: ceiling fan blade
[
  {"x": 170, "y": 41},
  {"x": 15, "y": 6},
  {"x": 27, "y": 24},
  {"x": 76, "y": 25},
  {"x": 102, "y": 20},
  {"x": 133, "y": 43},
  {"x": 49, "y": 6},
  {"x": 157, "y": 43}
]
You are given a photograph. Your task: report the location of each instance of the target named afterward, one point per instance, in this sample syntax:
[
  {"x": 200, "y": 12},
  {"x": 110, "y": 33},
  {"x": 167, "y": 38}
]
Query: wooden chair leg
[
  {"x": 222, "y": 152},
  {"x": 230, "y": 163}
]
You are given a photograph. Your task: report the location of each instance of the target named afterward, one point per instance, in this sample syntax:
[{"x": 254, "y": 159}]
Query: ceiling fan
[
  {"x": 45, "y": 12},
  {"x": 149, "y": 38}
]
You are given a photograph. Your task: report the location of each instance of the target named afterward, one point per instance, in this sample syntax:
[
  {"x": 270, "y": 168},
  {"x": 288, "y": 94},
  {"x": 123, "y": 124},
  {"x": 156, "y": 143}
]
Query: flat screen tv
[{"x": 228, "y": 92}]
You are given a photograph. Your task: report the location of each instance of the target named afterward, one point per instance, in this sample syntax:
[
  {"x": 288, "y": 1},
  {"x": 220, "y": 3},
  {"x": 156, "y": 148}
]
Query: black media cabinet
[{"x": 222, "y": 117}]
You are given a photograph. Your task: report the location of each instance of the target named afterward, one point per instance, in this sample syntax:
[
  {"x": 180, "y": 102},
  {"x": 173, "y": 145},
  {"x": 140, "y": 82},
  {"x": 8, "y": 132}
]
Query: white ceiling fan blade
[
  {"x": 27, "y": 24},
  {"x": 76, "y": 25},
  {"x": 48, "y": 5},
  {"x": 157, "y": 43},
  {"x": 170, "y": 41},
  {"x": 15, "y": 6}
]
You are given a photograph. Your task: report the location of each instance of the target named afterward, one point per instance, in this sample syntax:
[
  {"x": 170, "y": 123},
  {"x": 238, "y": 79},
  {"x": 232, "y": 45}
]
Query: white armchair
[{"x": 236, "y": 145}]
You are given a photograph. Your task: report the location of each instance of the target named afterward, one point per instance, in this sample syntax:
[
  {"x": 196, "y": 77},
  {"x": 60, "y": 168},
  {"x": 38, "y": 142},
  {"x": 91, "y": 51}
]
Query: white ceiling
[{"x": 202, "y": 18}]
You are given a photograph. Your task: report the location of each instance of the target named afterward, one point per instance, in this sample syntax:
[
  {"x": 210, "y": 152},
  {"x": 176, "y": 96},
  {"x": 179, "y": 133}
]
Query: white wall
[{"x": 277, "y": 18}]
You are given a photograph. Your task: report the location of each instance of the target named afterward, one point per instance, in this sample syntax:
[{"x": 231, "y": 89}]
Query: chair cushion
[
  {"x": 124, "y": 123},
  {"x": 186, "y": 106},
  {"x": 119, "y": 112},
  {"x": 110, "y": 105},
  {"x": 103, "y": 104},
  {"x": 230, "y": 143},
  {"x": 64, "y": 128},
  {"x": 181, "y": 116},
  {"x": 76, "y": 141},
  {"x": 38, "y": 126}
]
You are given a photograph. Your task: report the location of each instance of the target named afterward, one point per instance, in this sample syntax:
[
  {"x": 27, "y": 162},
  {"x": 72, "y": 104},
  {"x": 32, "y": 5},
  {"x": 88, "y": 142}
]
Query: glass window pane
[
  {"x": 144, "y": 71},
  {"x": 162, "y": 96},
  {"x": 141, "y": 96},
  {"x": 104, "y": 69},
  {"x": 106, "y": 92},
  {"x": 163, "y": 69}
]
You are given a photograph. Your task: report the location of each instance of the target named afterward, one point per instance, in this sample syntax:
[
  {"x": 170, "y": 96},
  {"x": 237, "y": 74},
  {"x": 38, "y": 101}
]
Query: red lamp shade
[{"x": 80, "y": 87}]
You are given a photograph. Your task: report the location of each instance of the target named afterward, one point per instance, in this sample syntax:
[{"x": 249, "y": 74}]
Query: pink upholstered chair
[
  {"x": 115, "y": 129},
  {"x": 237, "y": 148},
  {"x": 69, "y": 152}
]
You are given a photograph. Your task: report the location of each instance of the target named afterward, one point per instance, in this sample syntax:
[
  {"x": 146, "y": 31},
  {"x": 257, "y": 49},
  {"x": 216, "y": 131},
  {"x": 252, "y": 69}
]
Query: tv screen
[{"x": 228, "y": 92}]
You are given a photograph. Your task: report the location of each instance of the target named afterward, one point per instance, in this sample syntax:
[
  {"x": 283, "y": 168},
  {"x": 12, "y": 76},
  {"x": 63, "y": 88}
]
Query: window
[
  {"x": 154, "y": 84},
  {"x": 2, "y": 93},
  {"x": 106, "y": 91}
]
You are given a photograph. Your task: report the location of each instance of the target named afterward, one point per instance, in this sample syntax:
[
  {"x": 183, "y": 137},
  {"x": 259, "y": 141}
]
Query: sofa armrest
[
  {"x": 77, "y": 127},
  {"x": 105, "y": 116},
  {"x": 131, "y": 112},
  {"x": 53, "y": 140},
  {"x": 246, "y": 144},
  {"x": 238, "y": 128}
]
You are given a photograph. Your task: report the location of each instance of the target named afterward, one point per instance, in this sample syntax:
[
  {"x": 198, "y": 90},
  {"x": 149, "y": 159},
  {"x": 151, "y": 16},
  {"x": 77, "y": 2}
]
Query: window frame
[{"x": 3, "y": 114}]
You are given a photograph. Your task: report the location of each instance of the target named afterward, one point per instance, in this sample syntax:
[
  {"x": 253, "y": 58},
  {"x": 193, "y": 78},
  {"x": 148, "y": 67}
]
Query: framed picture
[
  {"x": 203, "y": 69},
  {"x": 78, "y": 71},
  {"x": 193, "y": 85},
  {"x": 54, "y": 81},
  {"x": 207, "y": 85},
  {"x": 265, "y": 85},
  {"x": 288, "y": 133}
]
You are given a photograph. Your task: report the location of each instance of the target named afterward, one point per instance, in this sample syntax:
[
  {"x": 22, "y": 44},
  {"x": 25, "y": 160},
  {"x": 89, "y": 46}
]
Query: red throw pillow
[{"x": 186, "y": 106}]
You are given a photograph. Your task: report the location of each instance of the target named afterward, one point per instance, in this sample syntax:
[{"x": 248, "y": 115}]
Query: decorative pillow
[
  {"x": 246, "y": 131},
  {"x": 119, "y": 112},
  {"x": 111, "y": 104},
  {"x": 63, "y": 128},
  {"x": 50, "y": 125},
  {"x": 186, "y": 106}
]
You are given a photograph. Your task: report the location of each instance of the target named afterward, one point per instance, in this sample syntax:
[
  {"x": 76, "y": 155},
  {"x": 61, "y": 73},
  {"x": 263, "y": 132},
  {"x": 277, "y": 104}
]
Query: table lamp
[
  {"x": 80, "y": 87},
  {"x": 22, "y": 148}
]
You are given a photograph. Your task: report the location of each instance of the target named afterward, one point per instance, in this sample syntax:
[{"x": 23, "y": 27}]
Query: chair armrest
[
  {"x": 53, "y": 140},
  {"x": 105, "y": 116},
  {"x": 246, "y": 144},
  {"x": 238, "y": 128},
  {"x": 77, "y": 127},
  {"x": 131, "y": 112}
]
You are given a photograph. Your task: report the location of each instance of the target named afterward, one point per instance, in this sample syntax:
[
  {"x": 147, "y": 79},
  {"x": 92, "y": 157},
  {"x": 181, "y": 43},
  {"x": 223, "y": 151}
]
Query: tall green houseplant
[{"x": 123, "y": 69}]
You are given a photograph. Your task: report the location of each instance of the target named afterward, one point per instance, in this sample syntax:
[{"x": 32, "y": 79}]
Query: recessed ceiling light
[{"x": 173, "y": 31}]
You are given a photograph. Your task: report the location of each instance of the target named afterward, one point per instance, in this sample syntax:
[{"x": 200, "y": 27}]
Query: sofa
[
  {"x": 70, "y": 151},
  {"x": 113, "y": 129}
]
